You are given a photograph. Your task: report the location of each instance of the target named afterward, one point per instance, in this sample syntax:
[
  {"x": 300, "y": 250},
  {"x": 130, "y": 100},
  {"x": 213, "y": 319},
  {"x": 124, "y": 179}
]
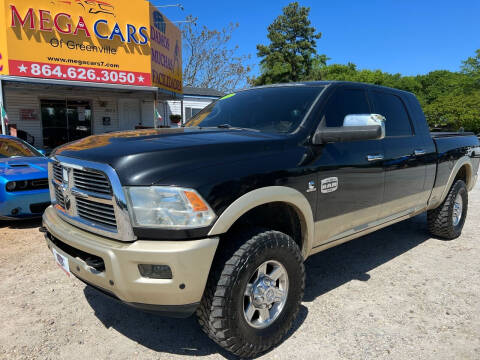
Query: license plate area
[{"x": 62, "y": 261}]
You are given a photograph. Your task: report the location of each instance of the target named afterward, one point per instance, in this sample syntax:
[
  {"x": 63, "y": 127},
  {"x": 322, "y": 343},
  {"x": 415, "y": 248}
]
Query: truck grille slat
[
  {"x": 109, "y": 215},
  {"x": 93, "y": 184},
  {"x": 100, "y": 206},
  {"x": 92, "y": 181},
  {"x": 89, "y": 173},
  {"x": 102, "y": 213},
  {"x": 96, "y": 220},
  {"x": 96, "y": 214},
  {"x": 59, "y": 197},
  {"x": 57, "y": 172}
]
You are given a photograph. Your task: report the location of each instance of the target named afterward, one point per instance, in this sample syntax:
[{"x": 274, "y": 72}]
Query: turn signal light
[{"x": 195, "y": 201}]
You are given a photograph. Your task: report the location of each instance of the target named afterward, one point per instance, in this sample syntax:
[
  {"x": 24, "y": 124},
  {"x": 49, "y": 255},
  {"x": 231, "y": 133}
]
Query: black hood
[{"x": 146, "y": 157}]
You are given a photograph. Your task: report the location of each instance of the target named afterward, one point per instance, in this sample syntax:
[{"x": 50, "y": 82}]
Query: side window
[
  {"x": 390, "y": 106},
  {"x": 191, "y": 112},
  {"x": 345, "y": 102}
]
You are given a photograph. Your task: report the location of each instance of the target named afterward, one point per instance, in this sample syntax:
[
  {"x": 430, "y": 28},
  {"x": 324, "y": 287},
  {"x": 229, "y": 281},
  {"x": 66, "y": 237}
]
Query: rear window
[
  {"x": 272, "y": 109},
  {"x": 392, "y": 107}
]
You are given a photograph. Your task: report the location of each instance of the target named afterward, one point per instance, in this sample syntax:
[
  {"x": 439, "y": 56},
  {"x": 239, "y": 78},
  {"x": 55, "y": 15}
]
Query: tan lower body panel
[{"x": 189, "y": 260}]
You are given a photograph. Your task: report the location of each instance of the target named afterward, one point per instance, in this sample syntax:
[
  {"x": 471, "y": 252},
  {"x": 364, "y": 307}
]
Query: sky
[{"x": 398, "y": 36}]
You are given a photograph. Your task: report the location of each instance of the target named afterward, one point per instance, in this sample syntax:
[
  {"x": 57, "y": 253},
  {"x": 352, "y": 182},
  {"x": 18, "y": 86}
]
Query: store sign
[{"x": 90, "y": 41}]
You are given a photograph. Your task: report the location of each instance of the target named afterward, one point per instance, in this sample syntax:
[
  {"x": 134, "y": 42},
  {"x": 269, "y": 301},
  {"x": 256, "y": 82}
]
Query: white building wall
[{"x": 103, "y": 103}]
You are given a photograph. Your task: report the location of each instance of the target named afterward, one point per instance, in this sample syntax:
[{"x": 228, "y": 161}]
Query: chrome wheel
[
  {"x": 457, "y": 209},
  {"x": 265, "y": 294}
]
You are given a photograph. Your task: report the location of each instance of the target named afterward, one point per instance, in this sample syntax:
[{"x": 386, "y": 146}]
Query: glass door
[{"x": 64, "y": 121}]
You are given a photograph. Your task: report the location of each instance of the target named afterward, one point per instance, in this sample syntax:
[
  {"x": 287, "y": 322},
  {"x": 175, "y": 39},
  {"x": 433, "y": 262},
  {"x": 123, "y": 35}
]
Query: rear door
[
  {"x": 403, "y": 150},
  {"x": 350, "y": 187}
]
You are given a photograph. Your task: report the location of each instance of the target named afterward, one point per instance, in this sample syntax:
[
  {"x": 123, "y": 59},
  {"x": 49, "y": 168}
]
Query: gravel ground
[{"x": 394, "y": 294}]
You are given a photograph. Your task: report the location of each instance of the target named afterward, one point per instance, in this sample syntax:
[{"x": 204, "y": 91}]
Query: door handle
[
  {"x": 419, "y": 152},
  {"x": 374, "y": 157}
]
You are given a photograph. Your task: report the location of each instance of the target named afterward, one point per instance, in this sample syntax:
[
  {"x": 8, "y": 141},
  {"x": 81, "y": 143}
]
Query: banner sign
[
  {"x": 166, "y": 50},
  {"x": 127, "y": 42}
]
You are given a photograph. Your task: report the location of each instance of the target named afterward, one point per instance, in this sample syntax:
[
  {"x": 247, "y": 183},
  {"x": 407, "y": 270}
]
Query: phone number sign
[{"x": 78, "y": 73}]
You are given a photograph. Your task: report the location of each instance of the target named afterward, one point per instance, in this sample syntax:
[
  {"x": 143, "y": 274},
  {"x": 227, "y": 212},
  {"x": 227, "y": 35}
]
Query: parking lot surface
[{"x": 394, "y": 294}]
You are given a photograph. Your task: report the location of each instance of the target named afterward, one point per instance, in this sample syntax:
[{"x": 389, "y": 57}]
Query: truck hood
[
  {"x": 145, "y": 157},
  {"x": 23, "y": 168}
]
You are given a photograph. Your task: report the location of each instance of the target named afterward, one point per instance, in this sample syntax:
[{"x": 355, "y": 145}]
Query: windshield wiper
[{"x": 228, "y": 126}]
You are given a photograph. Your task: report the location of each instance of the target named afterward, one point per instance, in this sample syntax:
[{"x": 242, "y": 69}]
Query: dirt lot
[{"x": 395, "y": 294}]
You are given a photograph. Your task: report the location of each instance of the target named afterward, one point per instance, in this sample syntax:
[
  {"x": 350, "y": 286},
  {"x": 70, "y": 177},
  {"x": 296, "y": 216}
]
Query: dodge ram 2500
[{"x": 218, "y": 217}]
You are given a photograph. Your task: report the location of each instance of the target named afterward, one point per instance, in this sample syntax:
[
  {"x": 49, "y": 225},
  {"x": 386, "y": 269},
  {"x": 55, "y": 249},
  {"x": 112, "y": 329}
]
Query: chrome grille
[
  {"x": 57, "y": 172},
  {"x": 89, "y": 195},
  {"x": 98, "y": 213},
  {"x": 92, "y": 181},
  {"x": 59, "y": 197}
]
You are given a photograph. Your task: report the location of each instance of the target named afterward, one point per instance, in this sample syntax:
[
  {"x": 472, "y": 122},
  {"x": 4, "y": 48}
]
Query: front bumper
[
  {"x": 23, "y": 202},
  {"x": 189, "y": 261}
]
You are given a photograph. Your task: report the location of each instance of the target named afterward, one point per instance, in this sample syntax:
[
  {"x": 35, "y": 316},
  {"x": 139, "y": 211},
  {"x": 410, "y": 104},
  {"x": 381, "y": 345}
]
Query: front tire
[
  {"x": 254, "y": 292},
  {"x": 448, "y": 219}
]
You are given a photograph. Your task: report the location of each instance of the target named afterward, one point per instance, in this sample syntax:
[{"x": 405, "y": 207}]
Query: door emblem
[
  {"x": 311, "y": 186},
  {"x": 329, "y": 185}
]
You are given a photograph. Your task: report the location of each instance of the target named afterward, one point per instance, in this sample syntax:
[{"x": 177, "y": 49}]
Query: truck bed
[{"x": 436, "y": 135}]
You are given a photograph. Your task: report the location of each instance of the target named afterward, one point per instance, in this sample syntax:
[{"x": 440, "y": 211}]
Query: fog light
[{"x": 155, "y": 271}]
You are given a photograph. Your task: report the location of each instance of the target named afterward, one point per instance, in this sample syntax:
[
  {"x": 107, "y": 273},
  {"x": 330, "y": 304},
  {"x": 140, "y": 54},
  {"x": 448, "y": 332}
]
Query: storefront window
[{"x": 191, "y": 112}]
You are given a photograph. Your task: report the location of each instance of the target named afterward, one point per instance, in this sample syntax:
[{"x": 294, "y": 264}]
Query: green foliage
[
  {"x": 450, "y": 100},
  {"x": 291, "y": 54}
]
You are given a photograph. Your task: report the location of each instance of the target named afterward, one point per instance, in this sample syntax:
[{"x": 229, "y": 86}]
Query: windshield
[
  {"x": 10, "y": 148},
  {"x": 272, "y": 109}
]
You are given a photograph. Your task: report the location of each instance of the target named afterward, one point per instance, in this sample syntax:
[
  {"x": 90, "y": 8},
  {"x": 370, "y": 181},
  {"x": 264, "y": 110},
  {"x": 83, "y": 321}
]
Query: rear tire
[
  {"x": 223, "y": 310},
  {"x": 448, "y": 219}
]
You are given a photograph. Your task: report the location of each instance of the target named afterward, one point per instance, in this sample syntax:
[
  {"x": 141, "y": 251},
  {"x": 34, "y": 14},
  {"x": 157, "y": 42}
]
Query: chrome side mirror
[
  {"x": 355, "y": 127},
  {"x": 365, "y": 120}
]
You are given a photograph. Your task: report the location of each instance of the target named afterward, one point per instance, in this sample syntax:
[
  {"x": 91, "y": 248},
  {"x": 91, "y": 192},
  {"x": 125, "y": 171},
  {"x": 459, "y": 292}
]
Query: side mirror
[{"x": 355, "y": 127}]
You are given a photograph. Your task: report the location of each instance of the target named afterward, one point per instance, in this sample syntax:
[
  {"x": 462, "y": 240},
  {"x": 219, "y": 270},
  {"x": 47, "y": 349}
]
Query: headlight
[
  {"x": 168, "y": 207},
  {"x": 11, "y": 185}
]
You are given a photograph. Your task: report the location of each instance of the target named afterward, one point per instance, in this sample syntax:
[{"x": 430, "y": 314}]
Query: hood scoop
[{"x": 18, "y": 165}]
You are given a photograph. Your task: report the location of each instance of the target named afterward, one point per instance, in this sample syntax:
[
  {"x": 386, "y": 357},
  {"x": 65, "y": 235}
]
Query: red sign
[
  {"x": 78, "y": 73},
  {"x": 28, "y": 114}
]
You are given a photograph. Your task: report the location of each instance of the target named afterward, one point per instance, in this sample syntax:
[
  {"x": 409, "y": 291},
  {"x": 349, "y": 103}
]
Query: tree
[
  {"x": 450, "y": 100},
  {"x": 292, "y": 50},
  {"x": 472, "y": 64},
  {"x": 208, "y": 59}
]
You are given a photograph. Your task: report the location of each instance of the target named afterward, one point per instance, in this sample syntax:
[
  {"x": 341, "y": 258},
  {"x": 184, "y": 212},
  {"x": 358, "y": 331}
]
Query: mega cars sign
[{"x": 91, "y": 41}]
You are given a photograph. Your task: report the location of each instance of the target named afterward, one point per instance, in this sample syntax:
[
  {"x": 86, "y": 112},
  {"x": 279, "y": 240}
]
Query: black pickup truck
[{"x": 218, "y": 217}]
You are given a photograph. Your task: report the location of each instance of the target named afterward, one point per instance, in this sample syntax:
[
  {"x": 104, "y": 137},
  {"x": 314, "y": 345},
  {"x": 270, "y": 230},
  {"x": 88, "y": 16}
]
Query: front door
[
  {"x": 64, "y": 121},
  {"x": 129, "y": 114},
  {"x": 349, "y": 185}
]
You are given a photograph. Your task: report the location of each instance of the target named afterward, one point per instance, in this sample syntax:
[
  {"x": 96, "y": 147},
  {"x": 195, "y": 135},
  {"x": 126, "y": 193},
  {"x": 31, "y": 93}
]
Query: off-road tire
[
  {"x": 221, "y": 310},
  {"x": 440, "y": 220}
]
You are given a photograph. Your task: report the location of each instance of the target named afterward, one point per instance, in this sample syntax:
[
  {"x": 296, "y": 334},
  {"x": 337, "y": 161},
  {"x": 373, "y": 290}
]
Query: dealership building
[{"x": 76, "y": 68}]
